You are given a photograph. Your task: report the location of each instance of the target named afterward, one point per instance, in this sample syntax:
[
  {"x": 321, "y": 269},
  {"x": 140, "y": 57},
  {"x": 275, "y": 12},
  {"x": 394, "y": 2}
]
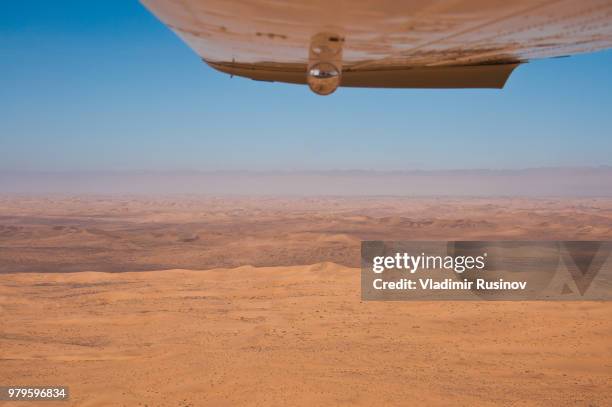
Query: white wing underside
[{"x": 388, "y": 43}]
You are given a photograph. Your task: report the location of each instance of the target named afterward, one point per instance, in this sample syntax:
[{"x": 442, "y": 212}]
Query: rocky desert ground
[{"x": 191, "y": 301}]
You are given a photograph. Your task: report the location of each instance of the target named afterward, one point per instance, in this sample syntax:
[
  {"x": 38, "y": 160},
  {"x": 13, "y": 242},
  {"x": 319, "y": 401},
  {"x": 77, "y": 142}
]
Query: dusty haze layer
[
  {"x": 293, "y": 334},
  {"x": 532, "y": 182}
]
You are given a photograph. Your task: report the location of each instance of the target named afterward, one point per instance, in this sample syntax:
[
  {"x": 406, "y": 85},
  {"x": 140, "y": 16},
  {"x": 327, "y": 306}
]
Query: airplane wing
[{"x": 385, "y": 43}]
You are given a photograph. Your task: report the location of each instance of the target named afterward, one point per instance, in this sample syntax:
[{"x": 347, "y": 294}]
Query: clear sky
[{"x": 103, "y": 85}]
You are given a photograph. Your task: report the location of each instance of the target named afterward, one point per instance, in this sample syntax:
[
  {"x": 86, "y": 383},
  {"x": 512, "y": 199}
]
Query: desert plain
[{"x": 225, "y": 301}]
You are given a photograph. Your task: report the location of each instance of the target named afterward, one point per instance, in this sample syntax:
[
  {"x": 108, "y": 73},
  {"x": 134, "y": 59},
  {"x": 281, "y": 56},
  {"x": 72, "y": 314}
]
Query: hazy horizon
[{"x": 558, "y": 181}]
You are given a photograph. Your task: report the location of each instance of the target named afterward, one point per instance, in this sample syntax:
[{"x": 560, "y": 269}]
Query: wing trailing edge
[{"x": 468, "y": 76}]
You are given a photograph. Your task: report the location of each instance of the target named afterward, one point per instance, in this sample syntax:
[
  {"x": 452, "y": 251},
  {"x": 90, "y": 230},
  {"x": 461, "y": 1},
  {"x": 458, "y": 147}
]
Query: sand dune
[
  {"x": 135, "y": 234},
  {"x": 292, "y": 336},
  {"x": 242, "y": 332}
]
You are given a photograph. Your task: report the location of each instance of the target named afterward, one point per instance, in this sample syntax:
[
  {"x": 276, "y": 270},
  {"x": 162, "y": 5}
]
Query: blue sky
[{"x": 103, "y": 85}]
